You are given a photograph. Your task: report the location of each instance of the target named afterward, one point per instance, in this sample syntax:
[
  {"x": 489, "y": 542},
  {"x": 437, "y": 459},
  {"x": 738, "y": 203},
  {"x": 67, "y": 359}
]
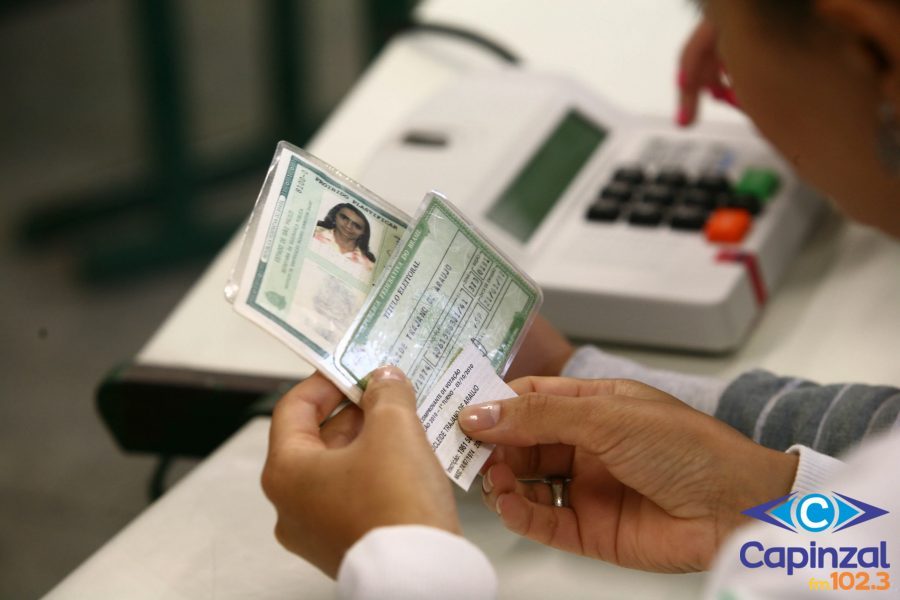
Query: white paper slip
[{"x": 470, "y": 379}]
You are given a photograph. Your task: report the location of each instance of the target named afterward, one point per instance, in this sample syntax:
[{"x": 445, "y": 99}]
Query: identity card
[{"x": 313, "y": 247}]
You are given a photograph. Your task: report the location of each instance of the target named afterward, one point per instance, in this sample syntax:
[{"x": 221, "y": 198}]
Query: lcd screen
[{"x": 541, "y": 183}]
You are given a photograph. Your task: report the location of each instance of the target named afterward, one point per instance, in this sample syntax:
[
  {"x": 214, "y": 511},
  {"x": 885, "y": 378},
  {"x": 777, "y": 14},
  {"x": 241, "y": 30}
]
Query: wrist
[
  {"x": 813, "y": 469},
  {"x": 766, "y": 475}
]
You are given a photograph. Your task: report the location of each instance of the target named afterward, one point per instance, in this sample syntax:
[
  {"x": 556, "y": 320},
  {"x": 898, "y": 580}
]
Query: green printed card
[
  {"x": 446, "y": 285},
  {"x": 313, "y": 249},
  {"x": 334, "y": 272}
]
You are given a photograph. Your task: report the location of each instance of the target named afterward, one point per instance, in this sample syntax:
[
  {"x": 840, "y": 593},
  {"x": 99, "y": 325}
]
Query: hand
[
  {"x": 700, "y": 69},
  {"x": 655, "y": 485},
  {"x": 545, "y": 351},
  {"x": 363, "y": 469}
]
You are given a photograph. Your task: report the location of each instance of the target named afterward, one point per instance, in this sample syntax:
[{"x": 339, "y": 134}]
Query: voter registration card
[
  {"x": 313, "y": 247},
  {"x": 446, "y": 285}
]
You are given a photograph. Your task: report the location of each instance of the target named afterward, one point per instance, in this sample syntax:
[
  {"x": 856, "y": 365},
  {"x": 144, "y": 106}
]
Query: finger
[
  {"x": 568, "y": 386},
  {"x": 688, "y": 106},
  {"x": 529, "y": 420},
  {"x": 721, "y": 92},
  {"x": 549, "y": 525},
  {"x": 299, "y": 412},
  {"x": 342, "y": 428},
  {"x": 389, "y": 404},
  {"x": 595, "y": 423},
  {"x": 500, "y": 480},
  {"x": 535, "y": 461},
  {"x": 697, "y": 55}
]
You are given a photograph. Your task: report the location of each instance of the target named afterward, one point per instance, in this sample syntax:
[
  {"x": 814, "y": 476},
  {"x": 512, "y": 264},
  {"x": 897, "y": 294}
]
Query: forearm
[
  {"x": 702, "y": 393},
  {"x": 777, "y": 412}
]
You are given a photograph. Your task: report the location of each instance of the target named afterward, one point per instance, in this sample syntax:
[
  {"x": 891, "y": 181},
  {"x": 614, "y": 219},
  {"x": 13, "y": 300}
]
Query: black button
[
  {"x": 672, "y": 177},
  {"x": 658, "y": 194},
  {"x": 604, "y": 210},
  {"x": 699, "y": 197},
  {"x": 691, "y": 218},
  {"x": 632, "y": 174},
  {"x": 644, "y": 213},
  {"x": 748, "y": 202},
  {"x": 714, "y": 183},
  {"x": 618, "y": 191}
]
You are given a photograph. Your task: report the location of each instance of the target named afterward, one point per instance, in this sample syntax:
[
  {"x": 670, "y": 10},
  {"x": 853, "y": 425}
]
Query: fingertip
[
  {"x": 512, "y": 508},
  {"x": 731, "y": 98},
  {"x": 498, "y": 507},
  {"x": 486, "y": 484},
  {"x": 387, "y": 384},
  {"x": 480, "y": 417},
  {"x": 497, "y": 481},
  {"x": 387, "y": 373},
  {"x": 686, "y": 112}
]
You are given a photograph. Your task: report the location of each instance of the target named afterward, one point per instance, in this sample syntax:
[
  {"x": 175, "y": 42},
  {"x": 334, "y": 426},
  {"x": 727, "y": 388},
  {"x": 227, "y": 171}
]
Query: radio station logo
[
  {"x": 815, "y": 513},
  {"x": 852, "y": 566}
]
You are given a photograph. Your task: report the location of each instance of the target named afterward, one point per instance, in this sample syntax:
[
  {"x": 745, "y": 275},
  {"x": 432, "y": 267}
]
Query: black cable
[
  {"x": 157, "y": 485},
  {"x": 467, "y": 35}
]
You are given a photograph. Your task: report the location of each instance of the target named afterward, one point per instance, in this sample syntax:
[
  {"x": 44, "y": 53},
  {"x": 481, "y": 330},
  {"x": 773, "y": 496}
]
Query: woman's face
[
  {"x": 815, "y": 101},
  {"x": 349, "y": 224}
]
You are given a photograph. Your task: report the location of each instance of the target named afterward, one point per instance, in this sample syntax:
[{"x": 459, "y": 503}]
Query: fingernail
[
  {"x": 387, "y": 372},
  {"x": 479, "y": 417},
  {"x": 682, "y": 117},
  {"x": 486, "y": 484},
  {"x": 497, "y": 505},
  {"x": 716, "y": 92},
  {"x": 723, "y": 94},
  {"x": 731, "y": 98}
]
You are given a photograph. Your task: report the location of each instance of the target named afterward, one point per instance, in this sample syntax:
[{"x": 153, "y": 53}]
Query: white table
[{"x": 836, "y": 317}]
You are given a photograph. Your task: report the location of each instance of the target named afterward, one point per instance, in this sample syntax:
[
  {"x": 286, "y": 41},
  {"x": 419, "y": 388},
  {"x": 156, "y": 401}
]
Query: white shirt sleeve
[
  {"x": 814, "y": 469},
  {"x": 870, "y": 475},
  {"x": 413, "y": 562}
]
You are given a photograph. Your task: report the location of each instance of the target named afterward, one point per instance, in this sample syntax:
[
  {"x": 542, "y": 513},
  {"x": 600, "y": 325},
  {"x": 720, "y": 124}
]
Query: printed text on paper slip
[{"x": 470, "y": 379}]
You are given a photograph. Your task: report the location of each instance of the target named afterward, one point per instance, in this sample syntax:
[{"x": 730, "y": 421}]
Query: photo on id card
[{"x": 316, "y": 243}]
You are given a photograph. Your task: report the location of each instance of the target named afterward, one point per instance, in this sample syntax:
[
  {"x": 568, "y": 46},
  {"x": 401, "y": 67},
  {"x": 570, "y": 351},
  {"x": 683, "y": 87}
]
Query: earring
[{"x": 889, "y": 137}]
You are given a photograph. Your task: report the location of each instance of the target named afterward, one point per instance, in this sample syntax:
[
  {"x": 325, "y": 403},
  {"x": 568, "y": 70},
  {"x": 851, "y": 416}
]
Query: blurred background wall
[{"x": 74, "y": 121}]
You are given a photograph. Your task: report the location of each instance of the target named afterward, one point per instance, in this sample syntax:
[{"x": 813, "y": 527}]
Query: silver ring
[{"x": 559, "y": 488}]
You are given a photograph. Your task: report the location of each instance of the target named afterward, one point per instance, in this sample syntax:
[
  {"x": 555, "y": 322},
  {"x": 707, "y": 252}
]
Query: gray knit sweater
[{"x": 777, "y": 412}]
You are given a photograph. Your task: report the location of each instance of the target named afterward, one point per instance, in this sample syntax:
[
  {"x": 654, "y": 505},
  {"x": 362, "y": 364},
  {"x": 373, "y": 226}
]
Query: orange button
[{"x": 728, "y": 225}]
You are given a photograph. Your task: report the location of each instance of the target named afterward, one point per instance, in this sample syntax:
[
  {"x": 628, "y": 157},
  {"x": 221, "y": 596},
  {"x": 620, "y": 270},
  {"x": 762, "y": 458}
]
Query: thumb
[
  {"x": 389, "y": 401},
  {"x": 540, "y": 419}
]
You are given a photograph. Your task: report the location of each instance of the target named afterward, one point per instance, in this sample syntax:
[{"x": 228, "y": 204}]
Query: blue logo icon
[{"x": 815, "y": 513}]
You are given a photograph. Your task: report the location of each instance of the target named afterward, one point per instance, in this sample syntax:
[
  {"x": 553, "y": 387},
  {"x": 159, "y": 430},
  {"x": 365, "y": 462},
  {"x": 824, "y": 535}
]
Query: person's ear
[{"x": 875, "y": 26}]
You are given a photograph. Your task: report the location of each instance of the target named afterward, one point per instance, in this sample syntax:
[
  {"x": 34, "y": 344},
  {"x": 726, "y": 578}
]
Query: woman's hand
[
  {"x": 700, "y": 69},
  {"x": 655, "y": 485},
  {"x": 545, "y": 351},
  {"x": 363, "y": 469}
]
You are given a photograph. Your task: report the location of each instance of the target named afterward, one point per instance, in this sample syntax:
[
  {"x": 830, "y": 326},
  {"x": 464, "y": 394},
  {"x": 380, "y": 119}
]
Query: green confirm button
[{"x": 761, "y": 183}]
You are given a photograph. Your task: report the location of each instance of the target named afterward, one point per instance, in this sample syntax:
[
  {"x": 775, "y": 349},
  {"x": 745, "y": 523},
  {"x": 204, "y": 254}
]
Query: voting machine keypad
[{"x": 670, "y": 197}]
